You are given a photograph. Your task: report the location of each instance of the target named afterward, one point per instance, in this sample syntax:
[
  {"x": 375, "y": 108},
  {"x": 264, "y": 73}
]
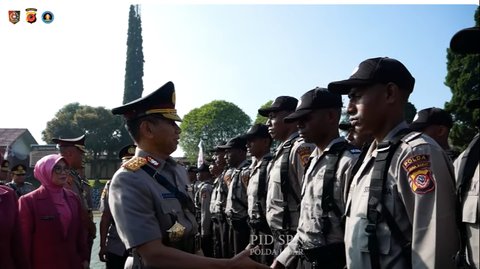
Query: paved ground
[{"x": 95, "y": 262}]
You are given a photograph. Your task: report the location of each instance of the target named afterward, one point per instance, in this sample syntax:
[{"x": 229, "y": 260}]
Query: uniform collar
[{"x": 161, "y": 163}]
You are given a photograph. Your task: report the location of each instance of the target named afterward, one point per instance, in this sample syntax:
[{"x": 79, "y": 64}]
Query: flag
[
  {"x": 8, "y": 152},
  {"x": 200, "y": 159}
]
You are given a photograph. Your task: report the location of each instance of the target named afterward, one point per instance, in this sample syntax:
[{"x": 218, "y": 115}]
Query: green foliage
[
  {"x": 409, "y": 112},
  {"x": 134, "y": 66},
  {"x": 464, "y": 81},
  {"x": 213, "y": 122},
  {"x": 261, "y": 119},
  {"x": 99, "y": 124}
]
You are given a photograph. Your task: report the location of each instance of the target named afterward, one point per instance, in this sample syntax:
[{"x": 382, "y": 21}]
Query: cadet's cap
[
  {"x": 5, "y": 166},
  {"x": 431, "y": 116},
  {"x": 160, "y": 102},
  {"x": 466, "y": 40},
  {"x": 317, "y": 98},
  {"x": 203, "y": 168},
  {"x": 257, "y": 130},
  {"x": 192, "y": 168},
  {"x": 127, "y": 152},
  {"x": 345, "y": 126},
  {"x": 78, "y": 142},
  {"x": 216, "y": 148},
  {"x": 19, "y": 169},
  {"x": 474, "y": 103},
  {"x": 281, "y": 103},
  {"x": 238, "y": 142},
  {"x": 376, "y": 70}
]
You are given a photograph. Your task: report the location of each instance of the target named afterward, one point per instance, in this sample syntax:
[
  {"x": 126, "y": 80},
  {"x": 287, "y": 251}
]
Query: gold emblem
[
  {"x": 134, "y": 163},
  {"x": 175, "y": 233}
]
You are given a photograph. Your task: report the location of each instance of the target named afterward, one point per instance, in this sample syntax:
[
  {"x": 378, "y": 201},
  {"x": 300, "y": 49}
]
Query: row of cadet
[{"x": 317, "y": 201}]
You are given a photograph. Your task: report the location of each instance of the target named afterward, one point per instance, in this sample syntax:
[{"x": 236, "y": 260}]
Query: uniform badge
[
  {"x": 14, "y": 16},
  {"x": 175, "y": 233},
  {"x": 31, "y": 15},
  {"x": 152, "y": 161},
  {"x": 134, "y": 163},
  {"x": 419, "y": 174},
  {"x": 304, "y": 154}
]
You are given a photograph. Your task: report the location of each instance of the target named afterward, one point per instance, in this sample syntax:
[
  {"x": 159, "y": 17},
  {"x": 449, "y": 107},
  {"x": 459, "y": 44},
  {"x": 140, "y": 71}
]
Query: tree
[
  {"x": 409, "y": 111},
  {"x": 102, "y": 129},
  {"x": 134, "y": 66},
  {"x": 213, "y": 122},
  {"x": 463, "y": 79},
  {"x": 261, "y": 119}
]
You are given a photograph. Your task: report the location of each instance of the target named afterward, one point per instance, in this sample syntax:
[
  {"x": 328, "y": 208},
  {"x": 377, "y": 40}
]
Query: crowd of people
[{"x": 387, "y": 195}]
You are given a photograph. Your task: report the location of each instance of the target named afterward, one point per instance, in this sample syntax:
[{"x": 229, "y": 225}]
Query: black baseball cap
[
  {"x": 431, "y": 116},
  {"x": 318, "y": 98},
  {"x": 257, "y": 130},
  {"x": 203, "y": 168},
  {"x": 466, "y": 40},
  {"x": 281, "y": 103},
  {"x": 192, "y": 168},
  {"x": 238, "y": 142},
  {"x": 216, "y": 148},
  {"x": 376, "y": 70}
]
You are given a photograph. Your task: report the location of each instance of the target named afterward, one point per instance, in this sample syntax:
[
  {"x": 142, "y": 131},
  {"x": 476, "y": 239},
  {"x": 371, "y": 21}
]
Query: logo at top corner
[
  {"x": 31, "y": 15},
  {"x": 47, "y": 17},
  {"x": 14, "y": 16}
]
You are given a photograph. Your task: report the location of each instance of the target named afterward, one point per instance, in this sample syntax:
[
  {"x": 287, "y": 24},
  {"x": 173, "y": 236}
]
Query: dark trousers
[
  {"x": 220, "y": 238},
  {"x": 239, "y": 235},
  {"x": 264, "y": 242},
  {"x": 207, "y": 245},
  {"x": 330, "y": 256},
  {"x": 280, "y": 242},
  {"x": 115, "y": 262}
]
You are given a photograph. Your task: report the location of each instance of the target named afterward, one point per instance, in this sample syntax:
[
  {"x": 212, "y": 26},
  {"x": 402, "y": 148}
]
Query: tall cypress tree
[{"x": 134, "y": 66}]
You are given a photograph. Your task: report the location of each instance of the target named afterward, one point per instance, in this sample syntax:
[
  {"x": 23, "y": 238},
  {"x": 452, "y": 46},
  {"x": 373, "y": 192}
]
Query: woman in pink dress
[{"x": 50, "y": 220}]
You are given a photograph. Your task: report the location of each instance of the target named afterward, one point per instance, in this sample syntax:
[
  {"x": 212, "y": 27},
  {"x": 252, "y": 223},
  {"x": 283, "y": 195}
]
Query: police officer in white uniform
[
  {"x": 148, "y": 195},
  {"x": 319, "y": 238},
  {"x": 467, "y": 167},
  {"x": 401, "y": 206},
  {"x": 285, "y": 171}
]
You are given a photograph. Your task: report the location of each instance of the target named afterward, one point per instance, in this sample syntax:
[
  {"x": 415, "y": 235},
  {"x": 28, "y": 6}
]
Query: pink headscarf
[
  {"x": 44, "y": 168},
  {"x": 43, "y": 171}
]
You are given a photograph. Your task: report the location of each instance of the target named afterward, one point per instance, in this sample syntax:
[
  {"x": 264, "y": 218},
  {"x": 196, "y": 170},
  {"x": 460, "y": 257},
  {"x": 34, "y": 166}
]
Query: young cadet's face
[
  {"x": 312, "y": 127},
  {"x": 277, "y": 129},
  {"x": 367, "y": 108}
]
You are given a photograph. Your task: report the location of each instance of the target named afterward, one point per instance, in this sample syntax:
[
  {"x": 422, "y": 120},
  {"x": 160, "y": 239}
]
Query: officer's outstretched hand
[{"x": 242, "y": 260}]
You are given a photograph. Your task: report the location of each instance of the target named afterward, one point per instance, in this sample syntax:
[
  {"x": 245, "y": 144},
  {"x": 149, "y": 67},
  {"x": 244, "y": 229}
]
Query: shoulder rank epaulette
[{"x": 135, "y": 163}]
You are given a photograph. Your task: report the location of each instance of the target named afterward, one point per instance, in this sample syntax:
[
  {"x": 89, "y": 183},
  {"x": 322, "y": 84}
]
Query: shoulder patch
[
  {"x": 134, "y": 163},
  {"x": 419, "y": 174},
  {"x": 304, "y": 153}
]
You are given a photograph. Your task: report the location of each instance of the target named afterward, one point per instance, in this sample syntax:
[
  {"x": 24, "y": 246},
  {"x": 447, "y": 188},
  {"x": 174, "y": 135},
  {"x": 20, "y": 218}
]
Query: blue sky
[{"x": 245, "y": 54}]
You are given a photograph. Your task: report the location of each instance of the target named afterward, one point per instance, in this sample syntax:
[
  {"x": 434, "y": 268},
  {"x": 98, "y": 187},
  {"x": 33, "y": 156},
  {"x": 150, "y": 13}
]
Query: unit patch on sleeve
[
  {"x": 419, "y": 174},
  {"x": 304, "y": 153}
]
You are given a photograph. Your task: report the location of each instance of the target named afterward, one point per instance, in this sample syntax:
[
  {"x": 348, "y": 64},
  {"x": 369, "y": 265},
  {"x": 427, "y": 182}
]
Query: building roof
[{"x": 9, "y": 135}]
